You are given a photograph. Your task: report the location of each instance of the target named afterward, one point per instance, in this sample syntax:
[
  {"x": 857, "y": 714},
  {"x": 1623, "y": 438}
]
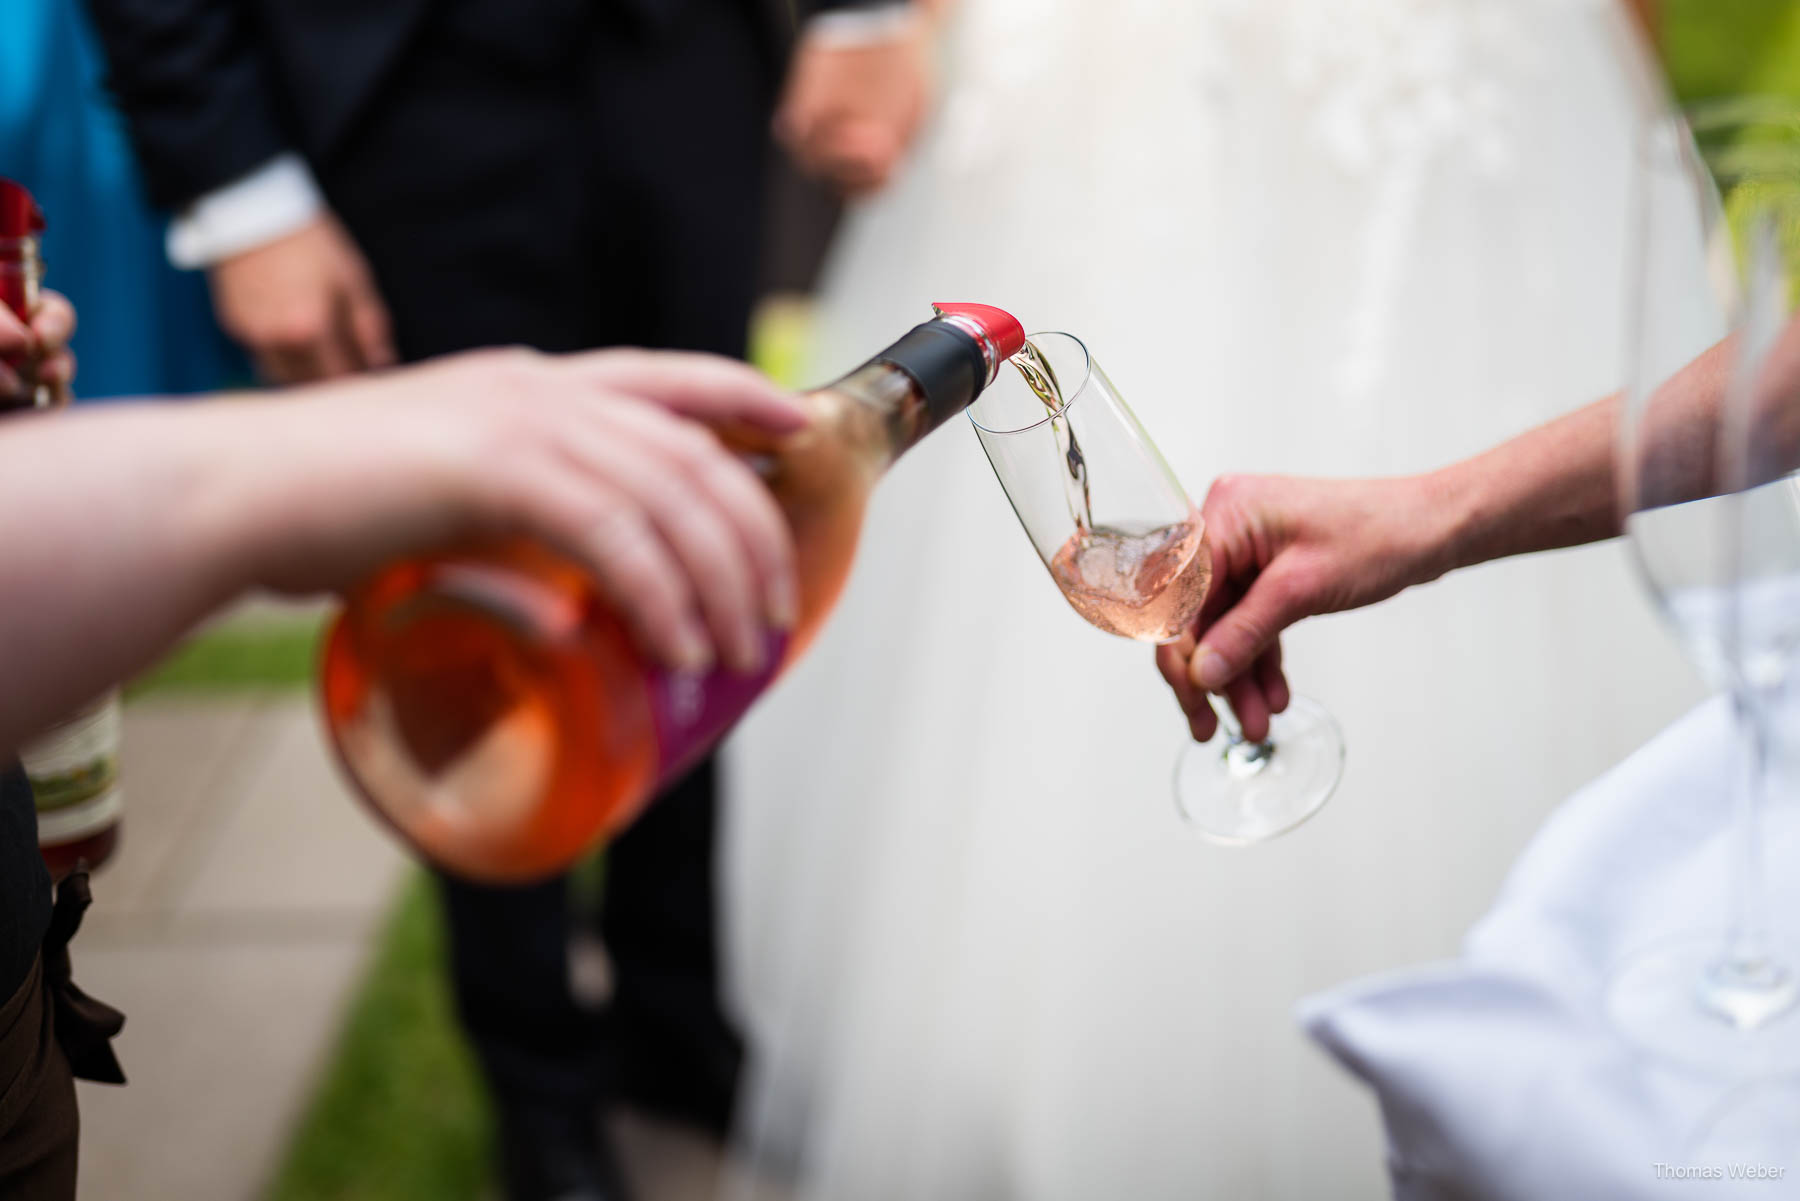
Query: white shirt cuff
[
  {"x": 271, "y": 202},
  {"x": 862, "y": 26}
]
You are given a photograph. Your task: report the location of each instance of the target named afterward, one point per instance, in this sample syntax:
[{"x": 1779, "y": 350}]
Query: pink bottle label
[{"x": 692, "y": 710}]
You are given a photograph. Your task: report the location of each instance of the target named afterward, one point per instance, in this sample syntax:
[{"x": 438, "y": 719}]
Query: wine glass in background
[
  {"x": 1126, "y": 545},
  {"x": 1719, "y": 224}
]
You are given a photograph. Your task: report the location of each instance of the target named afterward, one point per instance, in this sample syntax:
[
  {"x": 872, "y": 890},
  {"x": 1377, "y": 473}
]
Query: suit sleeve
[
  {"x": 190, "y": 79},
  {"x": 812, "y": 8}
]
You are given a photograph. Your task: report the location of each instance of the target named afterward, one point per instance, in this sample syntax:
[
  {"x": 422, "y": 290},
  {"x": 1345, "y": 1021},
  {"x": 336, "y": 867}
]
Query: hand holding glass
[{"x": 1126, "y": 546}]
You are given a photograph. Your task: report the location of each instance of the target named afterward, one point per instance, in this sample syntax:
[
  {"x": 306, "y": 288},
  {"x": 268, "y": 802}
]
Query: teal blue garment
[{"x": 145, "y": 328}]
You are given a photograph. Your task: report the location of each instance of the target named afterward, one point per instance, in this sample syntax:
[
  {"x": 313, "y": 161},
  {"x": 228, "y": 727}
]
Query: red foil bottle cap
[
  {"x": 1001, "y": 327},
  {"x": 20, "y": 216}
]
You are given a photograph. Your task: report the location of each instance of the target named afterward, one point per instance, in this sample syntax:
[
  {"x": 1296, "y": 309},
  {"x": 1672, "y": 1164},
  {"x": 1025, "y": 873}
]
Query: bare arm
[
  {"x": 1550, "y": 487},
  {"x": 1557, "y": 485},
  {"x": 94, "y": 587}
]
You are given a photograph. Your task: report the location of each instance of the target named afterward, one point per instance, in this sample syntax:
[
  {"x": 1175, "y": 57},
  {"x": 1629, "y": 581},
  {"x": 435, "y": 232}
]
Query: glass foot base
[
  {"x": 1237, "y": 792},
  {"x": 1685, "y": 1000}
]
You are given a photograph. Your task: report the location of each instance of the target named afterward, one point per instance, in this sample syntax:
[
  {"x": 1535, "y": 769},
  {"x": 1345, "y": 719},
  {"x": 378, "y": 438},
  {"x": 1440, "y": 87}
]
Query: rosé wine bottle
[{"x": 490, "y": 708}]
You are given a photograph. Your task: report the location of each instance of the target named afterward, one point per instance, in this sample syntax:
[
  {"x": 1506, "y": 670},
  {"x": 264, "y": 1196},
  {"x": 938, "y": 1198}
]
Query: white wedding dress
[{"x": 976, "y": 950}]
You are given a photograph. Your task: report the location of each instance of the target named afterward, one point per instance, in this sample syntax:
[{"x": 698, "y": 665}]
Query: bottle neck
[
  {"x": 927, "y": 377},
  {"x": 950, "y": 360}
]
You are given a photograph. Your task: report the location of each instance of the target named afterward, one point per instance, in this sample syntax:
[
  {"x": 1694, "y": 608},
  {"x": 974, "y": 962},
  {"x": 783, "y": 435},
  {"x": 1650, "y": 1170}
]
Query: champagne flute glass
[
  {"x": 1126, "y": 546},
  {"x": 1719, "y": 223}
]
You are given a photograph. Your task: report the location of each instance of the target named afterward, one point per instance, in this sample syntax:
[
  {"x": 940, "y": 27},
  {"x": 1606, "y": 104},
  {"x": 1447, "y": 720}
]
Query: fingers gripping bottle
[{"x": 494, "y": 713}]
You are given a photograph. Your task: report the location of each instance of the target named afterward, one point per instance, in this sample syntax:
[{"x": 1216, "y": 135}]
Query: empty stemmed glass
[
  {"x": 1126, "y": 545},
  {"x": 1719, "y": 225}
]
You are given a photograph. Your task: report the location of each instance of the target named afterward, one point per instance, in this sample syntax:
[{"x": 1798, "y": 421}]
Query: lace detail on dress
[
  {"x": 1396, "y": 91},
  {"x": 1391, "y": 80}
]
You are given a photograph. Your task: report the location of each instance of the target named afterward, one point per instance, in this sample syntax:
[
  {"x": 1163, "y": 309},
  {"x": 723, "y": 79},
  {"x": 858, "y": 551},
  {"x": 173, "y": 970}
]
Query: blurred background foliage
[{"x": 1720, "y": 47}]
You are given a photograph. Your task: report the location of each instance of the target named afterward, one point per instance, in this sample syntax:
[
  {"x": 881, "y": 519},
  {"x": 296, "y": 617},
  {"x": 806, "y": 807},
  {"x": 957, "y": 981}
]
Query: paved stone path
[{"x": 231, "y": 928}]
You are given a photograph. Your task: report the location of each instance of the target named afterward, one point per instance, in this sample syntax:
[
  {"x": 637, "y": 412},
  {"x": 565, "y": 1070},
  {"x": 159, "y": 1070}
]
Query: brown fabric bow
[{"x": 85, "y": 1027}]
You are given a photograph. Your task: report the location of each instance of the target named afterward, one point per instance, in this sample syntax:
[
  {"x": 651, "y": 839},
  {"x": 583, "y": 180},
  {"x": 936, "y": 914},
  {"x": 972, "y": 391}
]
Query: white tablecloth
[{"x": 1499, "y": 1078}]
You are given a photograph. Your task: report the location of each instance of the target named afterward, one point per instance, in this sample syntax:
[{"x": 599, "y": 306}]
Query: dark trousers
[
  {"x": 39, "y": 1126},
  {"x": 564, "y": 184}
]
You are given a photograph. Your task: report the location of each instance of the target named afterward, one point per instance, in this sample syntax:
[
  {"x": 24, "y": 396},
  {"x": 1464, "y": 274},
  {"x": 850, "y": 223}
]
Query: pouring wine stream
[{"x": 1139, "y": 580}]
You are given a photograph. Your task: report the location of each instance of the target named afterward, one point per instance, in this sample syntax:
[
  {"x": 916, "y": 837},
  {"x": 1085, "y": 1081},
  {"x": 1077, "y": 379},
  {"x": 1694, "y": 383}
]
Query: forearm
[
  {"x": 124, "y": 526},
  {"x": 121, "y": 528},
  {"x": 1550, "y": 487},
  {"x": 1557, "y": 485}
]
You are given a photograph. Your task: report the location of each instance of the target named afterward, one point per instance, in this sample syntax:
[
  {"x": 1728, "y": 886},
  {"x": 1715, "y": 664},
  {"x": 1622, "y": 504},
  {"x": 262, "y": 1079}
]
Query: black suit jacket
[{"x": 212, "y": 89}]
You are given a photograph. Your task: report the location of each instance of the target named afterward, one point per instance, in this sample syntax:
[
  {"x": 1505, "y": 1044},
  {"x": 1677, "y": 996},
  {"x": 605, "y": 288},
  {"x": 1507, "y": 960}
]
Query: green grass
[
  {"x": 400, "y": 1114},
  {"x": 277, "y": 655}
]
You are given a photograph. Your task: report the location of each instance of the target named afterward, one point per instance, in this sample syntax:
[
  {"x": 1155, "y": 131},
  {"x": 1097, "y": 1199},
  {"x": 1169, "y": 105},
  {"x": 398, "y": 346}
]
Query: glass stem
[
  {"x": 1240, "y": 749},
  {"x": 1748, "y": 985},
  {"x": 1749, "y": 934}
]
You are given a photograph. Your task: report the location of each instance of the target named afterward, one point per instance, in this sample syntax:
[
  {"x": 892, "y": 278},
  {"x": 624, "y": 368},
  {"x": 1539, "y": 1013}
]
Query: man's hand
[
  {"x": 305, "y": 306},
  {"x": 850, "y": 112},
  {"x": 1284, "y": 549},
  {"x": 37, "y": 353},
  {"x": 590, "y": 453}
]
